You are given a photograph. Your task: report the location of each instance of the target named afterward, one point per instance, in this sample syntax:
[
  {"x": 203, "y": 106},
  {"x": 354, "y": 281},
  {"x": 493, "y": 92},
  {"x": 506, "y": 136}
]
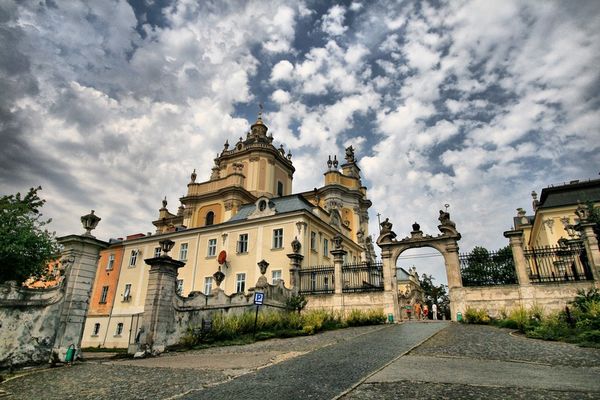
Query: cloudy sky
[{"x": 109, "y": 105}]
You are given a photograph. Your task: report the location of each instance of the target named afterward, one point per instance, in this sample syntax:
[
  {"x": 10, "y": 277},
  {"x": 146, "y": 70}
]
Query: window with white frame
[
  {"x": 242, "y": 245},
  {"x": 313, "y": 281},
  {"x": 275, "y": 276},
  {"x": 104, "y": 294},
  {"x": 326, "y": 282},
  {"x": 212, "y": 247},
  {"x": 179, "y": 288},
  {"x": 127, "y": 292},
  {"x": 278, "y": 238},
  {"x": 313, "y": 241},
  {"x": 325, "y": 248},
  {"x": 208, "y": 284},
  {"x": 96, "y": 330},
  {"x": 133, "y": 258},
  {"x": 240, "y": 283},
  {"x": 111, "y": 262},
  {"x": 183, "y": 251},
  {"x": 119, "y": 329},
  {"x": 157, "y": 252}
]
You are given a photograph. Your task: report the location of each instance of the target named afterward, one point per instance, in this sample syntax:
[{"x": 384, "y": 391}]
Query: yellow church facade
[{"x": 245, "y": 213}]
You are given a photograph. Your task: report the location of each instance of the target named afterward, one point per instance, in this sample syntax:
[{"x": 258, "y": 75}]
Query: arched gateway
[{"x": 445, "y": 243}]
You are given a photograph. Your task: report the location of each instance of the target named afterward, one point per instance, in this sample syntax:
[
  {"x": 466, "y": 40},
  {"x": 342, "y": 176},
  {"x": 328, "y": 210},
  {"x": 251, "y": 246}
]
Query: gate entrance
[{"x": 446, "y": 243}]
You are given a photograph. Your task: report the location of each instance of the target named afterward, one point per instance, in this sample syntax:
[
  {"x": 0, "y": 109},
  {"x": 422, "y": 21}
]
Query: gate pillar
[
  {"x": 591, "y": 248},
  {"x": 515, "y": 238}
]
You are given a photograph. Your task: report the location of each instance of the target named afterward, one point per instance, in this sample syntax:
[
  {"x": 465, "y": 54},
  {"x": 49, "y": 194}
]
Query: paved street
[{"x": 411, "y": 360}]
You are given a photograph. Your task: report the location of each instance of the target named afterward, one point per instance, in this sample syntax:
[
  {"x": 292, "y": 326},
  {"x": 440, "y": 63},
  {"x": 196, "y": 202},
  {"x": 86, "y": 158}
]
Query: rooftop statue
[
  {"x": 350, "y": 154},
  {"x": 445, "y": 219},
  {"x": 386, "y": 233}
]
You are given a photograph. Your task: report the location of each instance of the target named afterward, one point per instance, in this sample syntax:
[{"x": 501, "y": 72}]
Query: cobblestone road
[
  {"x": 459, "y": 362},
  {"x": 482, "y": 362}
]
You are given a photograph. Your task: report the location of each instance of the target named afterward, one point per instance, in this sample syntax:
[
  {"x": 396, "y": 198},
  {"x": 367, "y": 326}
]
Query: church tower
[{"x": 242, "y": 173}]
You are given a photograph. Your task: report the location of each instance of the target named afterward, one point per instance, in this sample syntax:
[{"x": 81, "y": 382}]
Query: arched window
[{"x": 210, "y": 218}]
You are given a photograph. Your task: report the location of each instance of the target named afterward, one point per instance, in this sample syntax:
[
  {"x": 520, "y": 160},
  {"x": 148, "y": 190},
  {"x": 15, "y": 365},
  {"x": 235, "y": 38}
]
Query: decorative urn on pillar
[{"x": 90, "y": 222}]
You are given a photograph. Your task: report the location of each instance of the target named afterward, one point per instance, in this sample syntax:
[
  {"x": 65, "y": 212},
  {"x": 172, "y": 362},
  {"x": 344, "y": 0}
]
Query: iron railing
[
  {"x": 563, "y": 263},
  {"x": 364, "y": 277},
  {"x": 317, "y": 280},
  {"x": 487, "y": 268}
]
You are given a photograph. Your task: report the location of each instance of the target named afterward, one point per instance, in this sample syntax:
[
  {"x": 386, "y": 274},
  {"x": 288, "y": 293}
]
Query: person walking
[
  {"x": 417, "y": 311},
  {"x": 425, "y": 312},
  {"x": 434, "y": 311}
]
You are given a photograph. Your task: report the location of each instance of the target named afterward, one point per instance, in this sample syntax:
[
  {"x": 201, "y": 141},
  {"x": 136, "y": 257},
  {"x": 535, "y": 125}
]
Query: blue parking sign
[{"x": 259, "y": 298}]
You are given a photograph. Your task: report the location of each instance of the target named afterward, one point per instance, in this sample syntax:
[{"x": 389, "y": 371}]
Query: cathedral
[{"x": 245, "y": 213}]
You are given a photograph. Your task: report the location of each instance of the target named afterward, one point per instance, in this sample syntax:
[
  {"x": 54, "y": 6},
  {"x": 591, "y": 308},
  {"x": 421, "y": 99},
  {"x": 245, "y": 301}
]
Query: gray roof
[
  {"x": 570, "y": 194},
  {"x": 401, "y": 274},
  {"x": 294, "y": 202}
]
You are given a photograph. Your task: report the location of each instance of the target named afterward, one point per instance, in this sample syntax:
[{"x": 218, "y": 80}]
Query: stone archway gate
[{"x": 446, "y": 243}]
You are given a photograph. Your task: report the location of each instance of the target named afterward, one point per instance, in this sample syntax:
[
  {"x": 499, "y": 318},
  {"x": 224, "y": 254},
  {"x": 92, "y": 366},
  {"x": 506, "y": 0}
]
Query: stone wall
[
  {"x": 495, "y": 299},
  {"x": 191, "y": 310},
  {"x": 29, "y": 319},
  {"x": 38, "y": 325},
  {"x": 168, "y": 316},
  {"x": 347, "y": 301}
]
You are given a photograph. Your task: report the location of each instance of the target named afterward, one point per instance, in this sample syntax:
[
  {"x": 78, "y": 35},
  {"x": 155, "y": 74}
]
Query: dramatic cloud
[{"x": 110, "y": 105}]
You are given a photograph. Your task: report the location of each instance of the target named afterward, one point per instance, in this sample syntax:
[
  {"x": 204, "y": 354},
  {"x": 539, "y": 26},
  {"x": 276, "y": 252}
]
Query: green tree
[
  {"x": 25, "y": 245},
  {"x": 482, "y": 267}
]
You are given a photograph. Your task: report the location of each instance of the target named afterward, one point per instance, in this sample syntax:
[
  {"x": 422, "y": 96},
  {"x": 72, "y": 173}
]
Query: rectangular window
[
  {"x": 240, "y": 283},
  {"x": 96, "y": 329},
  {"x": 212, "y": 247},
  {"x": 326, "y": 282},
  {"x": 104, "y": 294},
  {"x": 111, "y": 262},
  {"x": 119, "y": 329},
  {"x": 276, "y": 276},
  {"x": 133, "y": 258},
  {"x": 179, "y": 289},
  {"x": 313, "y": 281},
  {"x": 278, "y": 238},
  {"x": 242, "y": 245},
  {"x": 183, "y": 252},
  {"x": 208, "y": 284},
  {"x": 279, "y": 188},
  {"x": 313, "y": 241},
  {"x": 127, "y": 292},
  {"x": 157, "y": 252},
  {"x": 325, "y": 248}
]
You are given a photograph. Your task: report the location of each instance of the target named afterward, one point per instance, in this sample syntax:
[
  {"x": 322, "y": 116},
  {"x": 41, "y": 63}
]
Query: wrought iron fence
[
  {"x": 563, "y": 263},
  {"x": 487, "y": 268},
  {"x": 364, "y": 277},
  {"x": 317, "y": 279}
]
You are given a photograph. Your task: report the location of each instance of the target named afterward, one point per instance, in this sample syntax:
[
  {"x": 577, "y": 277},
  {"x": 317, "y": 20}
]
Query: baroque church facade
[{"x": 245, "y": 213}]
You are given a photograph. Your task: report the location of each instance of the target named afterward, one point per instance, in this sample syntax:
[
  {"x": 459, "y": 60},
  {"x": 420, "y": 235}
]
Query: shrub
[
  {"x": 591, "y": 336},
  {"x": 553, "y": 327},
  {"x": 476, "y": 316},
  {"x": 368, "y": 317},
  {"x": 584, "y": 299}
]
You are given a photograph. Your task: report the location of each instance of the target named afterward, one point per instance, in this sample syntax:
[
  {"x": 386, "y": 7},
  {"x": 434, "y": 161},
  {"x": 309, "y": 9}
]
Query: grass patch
[{"x": 238, "y": 329}]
